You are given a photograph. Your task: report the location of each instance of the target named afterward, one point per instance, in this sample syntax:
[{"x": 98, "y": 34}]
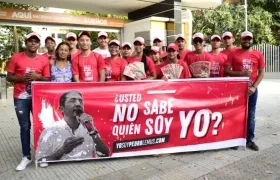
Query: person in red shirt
[
  {"x": 228, "y": 40},
  {"x": 180, "y": 41},
  {"x": 139, "y": 45},
  {"x": 173, "y": 58},
  {"x": 156, "y": 57},
  {"x": 126, "y": 50},
  {"x": 246, "y": 62},
  {"x": 23, "y": 68},
  {"x": 199, "y": 61},
  {"x": 50, "y": 45},
  {"x": 71, "y": 39},
  {"x": 114, "y": 65},
  {"x": 158, "y": 42},
  {"x": 88, "y": 66},
  {"x": 219, "y": 59}
]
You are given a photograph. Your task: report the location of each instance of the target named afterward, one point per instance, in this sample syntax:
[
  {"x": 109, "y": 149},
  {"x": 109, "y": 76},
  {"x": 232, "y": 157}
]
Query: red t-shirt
[
  {"x": 75, "y": 54},
  {"x": 227, "y": 52},
  {"x": 184, "y": 74},
  {"x": 150, "y": 64},
  {"x": 183, "y": 54},
  {"x": 21, "y": 64},
  {"x": 246, "y": 60},
  {"x": 47, "y": 56},
  {"x": 158, "y": 70},
  {"x": 88, "y": 67},
  {"x": 218, "y": 63},
  {"x": 114, "y": 68},
  {"x": 192, "y": 57}
]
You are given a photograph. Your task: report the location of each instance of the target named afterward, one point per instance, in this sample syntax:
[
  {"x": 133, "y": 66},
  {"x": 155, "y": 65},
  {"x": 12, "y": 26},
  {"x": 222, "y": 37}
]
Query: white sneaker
[
  {"x": 44, "y": 164},
  {"x": 23, "y": 164}
]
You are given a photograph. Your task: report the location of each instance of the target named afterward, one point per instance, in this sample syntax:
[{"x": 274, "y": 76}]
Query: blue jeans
[
  {"x": 251, "y": 116},
  {"x": 23, "y": 107}
]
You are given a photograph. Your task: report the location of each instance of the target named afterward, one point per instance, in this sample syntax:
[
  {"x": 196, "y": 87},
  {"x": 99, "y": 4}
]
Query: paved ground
[{"x": 210, "y": 165}]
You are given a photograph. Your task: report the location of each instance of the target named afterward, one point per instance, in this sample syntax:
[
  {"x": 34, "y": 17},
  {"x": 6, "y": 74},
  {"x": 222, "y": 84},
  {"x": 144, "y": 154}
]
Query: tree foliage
[{"x": 231, "y": 17}]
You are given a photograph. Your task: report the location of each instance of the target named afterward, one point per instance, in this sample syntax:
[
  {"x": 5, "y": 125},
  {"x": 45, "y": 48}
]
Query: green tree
[
  {"x": 231, "y": 17},
  {"x": 11, "y": 37},
  {"x": 94, "y": 33}
]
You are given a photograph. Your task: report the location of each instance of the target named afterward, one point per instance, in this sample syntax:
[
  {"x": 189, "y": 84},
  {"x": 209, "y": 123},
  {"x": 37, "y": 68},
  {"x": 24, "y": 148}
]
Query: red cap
[
  {"x": 84, "y": 33},
  {"x": 227, "y": 34},
  {"x": 157, "y": 38},
  {"x": 155, "y": 49},
  {"x": 198, "y": 35},
  {"x": 33, "y": 34},
  {"x": 49, "y": 37},
  {"x": 173, "y": 46},
  {"x": 140, "y": 40},
  {"x": 71, "y": 35},
  {"x": 246, "y": 34},
  {"x": 114, "y": 42},
  {"x": 126, "y": 44},
  {"x": 215, "y": 36},
  {"x": 102, "y": 33}
]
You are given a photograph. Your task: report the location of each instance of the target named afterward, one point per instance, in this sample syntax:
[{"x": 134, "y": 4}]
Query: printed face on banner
[{"x": 92, "y": 121}]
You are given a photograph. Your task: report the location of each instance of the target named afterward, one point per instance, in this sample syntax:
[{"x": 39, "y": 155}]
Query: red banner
[{"x": 75, "y": 121}]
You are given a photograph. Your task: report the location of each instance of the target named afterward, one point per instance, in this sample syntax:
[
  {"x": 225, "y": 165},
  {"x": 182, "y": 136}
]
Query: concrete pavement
[{"x": 209, "y": 165}]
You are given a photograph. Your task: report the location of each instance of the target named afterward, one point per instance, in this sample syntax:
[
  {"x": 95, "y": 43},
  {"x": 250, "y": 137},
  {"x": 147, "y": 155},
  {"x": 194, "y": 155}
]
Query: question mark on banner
[{"x": 216, "y": 116}]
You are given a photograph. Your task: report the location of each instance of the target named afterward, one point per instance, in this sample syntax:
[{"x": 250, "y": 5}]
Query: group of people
[{"x": 66, "y": 63}]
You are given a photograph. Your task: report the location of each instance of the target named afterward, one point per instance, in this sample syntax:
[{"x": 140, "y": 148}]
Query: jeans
[
  {"x": 251, "y": 116},
  {"x": 23, "y": 107}
]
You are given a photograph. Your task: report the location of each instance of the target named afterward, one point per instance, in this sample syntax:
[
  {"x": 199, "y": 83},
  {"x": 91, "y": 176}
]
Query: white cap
[
  {"x": 246, "y": 34},
  {"x": 139, "y": 39},
  {"x": 156, "y": 49},
  {"x": 157, "y": 38},
  {"x": 70, "y": 34},
  {"x": 227, "y": 34},
  {"x": 33, "y": 34},
  {"x": 102, "y": 33},
  {"x": 215, "y": 36},
  {"x": 198, "y": 35},
  {"x": 114, "y": 42},
  {"x": 180, "y": 36},
  {"x": 126, "y": 44}
]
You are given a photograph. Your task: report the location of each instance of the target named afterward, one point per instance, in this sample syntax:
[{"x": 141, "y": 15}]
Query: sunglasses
[{"x": 197, "y": 41}]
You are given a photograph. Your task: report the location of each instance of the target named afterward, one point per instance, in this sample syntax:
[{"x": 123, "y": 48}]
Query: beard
[{"x": 246, "y": 47}]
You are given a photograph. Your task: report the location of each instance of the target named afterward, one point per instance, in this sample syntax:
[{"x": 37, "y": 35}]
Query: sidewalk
[{"x": 209, "y": 165}]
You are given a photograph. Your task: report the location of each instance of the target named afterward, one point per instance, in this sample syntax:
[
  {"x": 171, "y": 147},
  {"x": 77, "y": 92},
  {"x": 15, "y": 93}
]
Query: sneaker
[
  {"x": 252, "y": 145},
  {"x": 44, "y": 164},
  {"x": 23, "y": 164},
  {"x": 234, "y": 148}
]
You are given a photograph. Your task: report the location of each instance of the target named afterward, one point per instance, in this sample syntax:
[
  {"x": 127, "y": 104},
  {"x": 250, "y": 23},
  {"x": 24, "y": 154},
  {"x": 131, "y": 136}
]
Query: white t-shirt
[{"x": 103, "y": 52}]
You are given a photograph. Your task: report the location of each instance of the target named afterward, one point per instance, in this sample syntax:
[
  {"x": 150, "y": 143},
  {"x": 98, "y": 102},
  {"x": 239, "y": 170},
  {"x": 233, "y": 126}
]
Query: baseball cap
[
  {"x": 155, "y": 49},
  {"x": 246, "y": 34},
  {"x": 71, "y": 35},
  {"x": 126, "y": 44},
  {"x": 198, "y": 35},
  {"x": 84, "y": 33},
  {"x": 102, "y": 33},
  {"x": 227, "y": 34},
  {"x": 49, "y": 37},
  {"x": 157, "y": 38},
  {"x": 215, "y": 36},
  {"x": 139, "y": 39},
  {"x": 114, "y": 42},
  {"x": 173, "y": 46},
  {"x": 33, "y": 34},
  {"x": 180, "y": 36}
]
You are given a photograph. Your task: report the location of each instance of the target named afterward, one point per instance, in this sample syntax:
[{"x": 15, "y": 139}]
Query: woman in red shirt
[
  {"x": 156, "y": 57},
  {"x": 173, "y": 58},
  {"x": 150, "y": 70},
  {"x": 114, "y": 65},
  {"x": 126, "y": 50}
]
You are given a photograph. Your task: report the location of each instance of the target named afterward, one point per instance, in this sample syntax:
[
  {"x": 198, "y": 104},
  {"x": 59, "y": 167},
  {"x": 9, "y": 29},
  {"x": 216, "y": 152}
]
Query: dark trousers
[
  {"x": 251, "y": 116},
  {"x": 23, "y": 108}
]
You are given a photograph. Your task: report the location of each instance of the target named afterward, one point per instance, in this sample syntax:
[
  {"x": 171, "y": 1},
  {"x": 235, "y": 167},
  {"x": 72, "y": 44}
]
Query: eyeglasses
[
  {"x": 114, "y": 47},
  {"x": 197, "y": 41}
]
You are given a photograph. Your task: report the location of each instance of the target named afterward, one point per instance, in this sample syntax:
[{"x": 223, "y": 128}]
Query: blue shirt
[{"x": 61, "y": 75}]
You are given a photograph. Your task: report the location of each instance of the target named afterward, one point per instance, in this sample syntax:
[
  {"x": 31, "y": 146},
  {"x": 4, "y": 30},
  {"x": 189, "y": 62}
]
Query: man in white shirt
[{"x": 103, "y": 40}]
